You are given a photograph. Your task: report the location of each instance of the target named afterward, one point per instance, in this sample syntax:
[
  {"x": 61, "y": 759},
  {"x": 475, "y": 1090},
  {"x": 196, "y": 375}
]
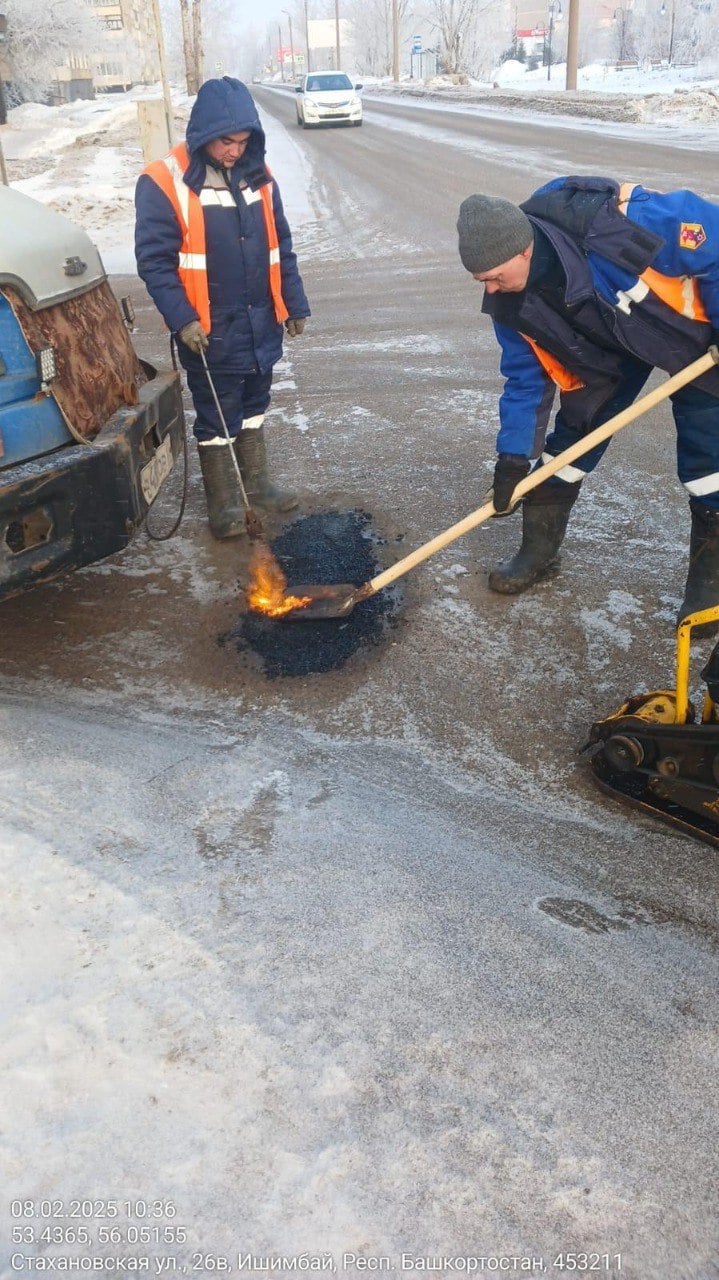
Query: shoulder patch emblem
[{"x": 691, "y": 235}]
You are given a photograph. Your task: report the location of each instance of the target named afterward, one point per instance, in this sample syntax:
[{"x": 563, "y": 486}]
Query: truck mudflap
[{"x": 82, "y": 503}]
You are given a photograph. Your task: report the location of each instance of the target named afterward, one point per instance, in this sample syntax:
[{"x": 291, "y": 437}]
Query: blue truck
[{"x": 88, "y": 432}]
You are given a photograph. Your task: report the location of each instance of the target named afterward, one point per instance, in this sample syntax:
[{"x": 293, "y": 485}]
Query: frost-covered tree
[
  {"x": 42, "y": 36},
  {"x": 472, "y": 33},
  {"x": 372, "y": 33}
]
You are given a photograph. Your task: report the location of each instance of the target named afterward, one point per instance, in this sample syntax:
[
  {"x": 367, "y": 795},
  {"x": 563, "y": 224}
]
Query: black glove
[{"x": 509, "y": 469}]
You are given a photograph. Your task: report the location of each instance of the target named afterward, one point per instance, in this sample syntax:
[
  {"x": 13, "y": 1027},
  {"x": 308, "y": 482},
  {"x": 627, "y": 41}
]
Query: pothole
[{"x": 327, "y": 547}]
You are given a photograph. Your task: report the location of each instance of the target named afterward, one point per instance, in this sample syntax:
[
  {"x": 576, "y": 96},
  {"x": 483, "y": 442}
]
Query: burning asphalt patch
[{"x": 324, "y": 548}]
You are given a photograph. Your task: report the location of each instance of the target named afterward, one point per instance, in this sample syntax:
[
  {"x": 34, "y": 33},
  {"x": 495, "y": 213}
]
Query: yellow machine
[{"x": 655, "y": 754}]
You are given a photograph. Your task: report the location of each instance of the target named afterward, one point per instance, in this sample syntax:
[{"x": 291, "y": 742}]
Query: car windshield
[{"x": 320, "y": 84}]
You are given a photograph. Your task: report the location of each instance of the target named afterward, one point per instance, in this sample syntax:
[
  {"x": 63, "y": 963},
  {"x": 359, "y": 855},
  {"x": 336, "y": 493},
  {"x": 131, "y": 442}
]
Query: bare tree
[
  {"x": 41, "y": 36},
  {"x": 197, "y": 41},
  {"x": 456, "y": 22},
  {"x": 372, "y": 30},
  {"x": 188, "y": 48},
  {"x": 191, "y": 17}
]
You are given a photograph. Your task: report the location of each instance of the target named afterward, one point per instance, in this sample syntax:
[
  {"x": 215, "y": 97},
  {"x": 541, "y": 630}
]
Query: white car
[{"x": 324, "y": 96}]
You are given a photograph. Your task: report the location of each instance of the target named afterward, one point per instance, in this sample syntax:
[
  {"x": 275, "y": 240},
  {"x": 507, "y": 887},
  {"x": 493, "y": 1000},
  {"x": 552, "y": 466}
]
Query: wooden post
[
  {"x": 337, "y": 32},
  {"x": 572, "y": 43},
  {"x": 395, "y": 43},
  {"x": 163, "y": 71}
]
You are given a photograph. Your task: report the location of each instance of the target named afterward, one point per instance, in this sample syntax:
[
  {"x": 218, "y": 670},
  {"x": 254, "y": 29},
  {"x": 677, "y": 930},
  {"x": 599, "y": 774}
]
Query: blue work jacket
[{"x": 607, "y": 314}]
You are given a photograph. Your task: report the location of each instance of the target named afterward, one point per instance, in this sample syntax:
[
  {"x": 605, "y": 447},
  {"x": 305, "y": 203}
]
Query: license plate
[{"x": 156, "y": 471}]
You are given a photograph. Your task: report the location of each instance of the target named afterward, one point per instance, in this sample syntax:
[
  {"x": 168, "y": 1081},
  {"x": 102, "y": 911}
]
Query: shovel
[
  {"x": 252, "y": 520},
  {"x": 339, "y": 599}
]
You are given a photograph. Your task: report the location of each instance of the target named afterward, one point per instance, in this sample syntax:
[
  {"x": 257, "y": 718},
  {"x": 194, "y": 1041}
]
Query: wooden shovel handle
[{"x": 540, "y": 474}]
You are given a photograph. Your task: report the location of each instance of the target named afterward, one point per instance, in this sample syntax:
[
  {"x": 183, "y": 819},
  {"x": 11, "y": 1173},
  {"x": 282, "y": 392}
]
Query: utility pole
[
  {"x": 3, "y": 104},
  {"x": 307, "y": 38},
  {"x": 292, "y": 47},
  {"x": 572, "y": 43},
  {"x": 163, "y": 72},
  {"x": 395, "y": 43},
  {"x": 280, "y": 51},
  {"x": 337, "y": 32}
]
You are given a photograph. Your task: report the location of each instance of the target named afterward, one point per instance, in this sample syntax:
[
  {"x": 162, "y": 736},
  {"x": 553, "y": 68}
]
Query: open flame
[{"x": 266, "y": 591}]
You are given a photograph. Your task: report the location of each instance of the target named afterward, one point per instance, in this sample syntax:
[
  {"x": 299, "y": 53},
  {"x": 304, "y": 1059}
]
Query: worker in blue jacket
[
  {"x": 590, "y": 286},
  {"x": 215, "y": 251}
]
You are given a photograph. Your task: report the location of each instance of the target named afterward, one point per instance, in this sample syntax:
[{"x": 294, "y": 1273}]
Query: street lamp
[
  {"x": 292, "y": 47},
  {"x": 623, "y": 17},
  {"x": 555, "y": 7},
  {"x": 671, "y": 29}
]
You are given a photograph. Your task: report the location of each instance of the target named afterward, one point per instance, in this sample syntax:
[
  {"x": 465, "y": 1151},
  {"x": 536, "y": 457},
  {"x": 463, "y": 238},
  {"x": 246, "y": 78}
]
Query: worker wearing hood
[{"x": 214, "y": 249}]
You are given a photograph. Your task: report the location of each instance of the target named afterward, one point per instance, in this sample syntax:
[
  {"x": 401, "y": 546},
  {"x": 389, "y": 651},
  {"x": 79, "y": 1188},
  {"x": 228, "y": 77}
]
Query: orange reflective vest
[
  {"x": 554, "y": 368},
  {"x": 169, "y": 174}
]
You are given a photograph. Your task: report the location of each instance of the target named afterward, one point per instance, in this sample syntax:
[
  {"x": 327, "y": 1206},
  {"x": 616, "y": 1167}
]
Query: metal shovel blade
[{"x": 332, "y": 600}]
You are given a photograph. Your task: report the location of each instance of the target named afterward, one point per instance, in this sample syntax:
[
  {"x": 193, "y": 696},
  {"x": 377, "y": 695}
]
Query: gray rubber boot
[
  {"x": 702, "y": 588},
  {"x": 545, "y": 514},
  {"x": 224, "y": 504},
  {"x": 251, "y": 452}
]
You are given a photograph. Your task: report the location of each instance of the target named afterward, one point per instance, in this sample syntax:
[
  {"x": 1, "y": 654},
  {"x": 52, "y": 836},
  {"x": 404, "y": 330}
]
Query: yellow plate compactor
[{"x": 655, "y": 754}]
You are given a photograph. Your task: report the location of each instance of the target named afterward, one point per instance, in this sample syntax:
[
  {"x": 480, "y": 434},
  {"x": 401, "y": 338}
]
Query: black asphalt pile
[{"x": 330, "y": 547}]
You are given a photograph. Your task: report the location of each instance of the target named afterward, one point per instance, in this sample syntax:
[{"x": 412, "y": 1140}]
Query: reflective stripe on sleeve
[
  {"x": 625, "y": 297},
  {"x": 572, "y": 475},
  {"x": 706, "y": 484},
  {"x": 274, "y": 257},
  {"x": 193, "y": 261}
]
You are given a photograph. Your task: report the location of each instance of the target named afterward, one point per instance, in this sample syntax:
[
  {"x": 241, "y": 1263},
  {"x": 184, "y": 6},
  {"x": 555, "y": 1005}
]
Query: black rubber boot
[
  {"x": 545, "y": 514},
  {"x": 251, "y": 452},
  {"x": 702, "y": 589},
  {"x": 224, "y": 504}
]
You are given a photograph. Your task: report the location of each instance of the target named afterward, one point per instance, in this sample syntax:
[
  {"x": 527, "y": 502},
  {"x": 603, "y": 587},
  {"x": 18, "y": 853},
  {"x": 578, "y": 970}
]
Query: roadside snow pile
[
  {"x": 701, "y": 105},
  {"x": 35, "y": 130},
  {"x": 670, "y": 95},
  {"x": 512, "y": 73}
]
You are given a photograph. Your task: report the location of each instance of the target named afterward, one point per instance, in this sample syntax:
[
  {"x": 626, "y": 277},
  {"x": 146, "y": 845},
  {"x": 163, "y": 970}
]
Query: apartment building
[{"x": 128, "y": 54}]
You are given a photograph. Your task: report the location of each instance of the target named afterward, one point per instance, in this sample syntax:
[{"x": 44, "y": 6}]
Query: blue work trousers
[
  {"x": 696, "y": 418},
  {"x": 241, "y": 397}
]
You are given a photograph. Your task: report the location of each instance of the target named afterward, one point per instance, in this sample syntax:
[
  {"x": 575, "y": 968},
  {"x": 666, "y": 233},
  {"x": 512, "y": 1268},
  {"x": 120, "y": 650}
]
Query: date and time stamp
[{"x": 119, "y": 1237}]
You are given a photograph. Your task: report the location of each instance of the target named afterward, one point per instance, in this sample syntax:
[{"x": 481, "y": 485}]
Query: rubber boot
[
  {"x": 251, "y": 452},
  {"x": 224, "y": 504},
  {"x": 545, "y": 514},
  {"x": 702, "y": 588}
]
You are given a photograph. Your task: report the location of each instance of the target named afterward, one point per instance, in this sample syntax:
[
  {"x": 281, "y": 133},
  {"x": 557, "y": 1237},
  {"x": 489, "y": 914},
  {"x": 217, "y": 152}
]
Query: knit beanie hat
[{"x": 491, "y": 231}]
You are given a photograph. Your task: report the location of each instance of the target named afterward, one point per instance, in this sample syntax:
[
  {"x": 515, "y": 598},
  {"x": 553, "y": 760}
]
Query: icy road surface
[{"x": 359, "y": 963}]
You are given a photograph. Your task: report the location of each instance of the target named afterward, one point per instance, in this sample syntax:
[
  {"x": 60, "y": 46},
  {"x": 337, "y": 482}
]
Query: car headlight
[{"x": 310, "y": 102}]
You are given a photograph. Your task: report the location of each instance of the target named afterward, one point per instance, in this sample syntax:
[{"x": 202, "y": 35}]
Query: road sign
[{"x": 416, "y": 44}]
